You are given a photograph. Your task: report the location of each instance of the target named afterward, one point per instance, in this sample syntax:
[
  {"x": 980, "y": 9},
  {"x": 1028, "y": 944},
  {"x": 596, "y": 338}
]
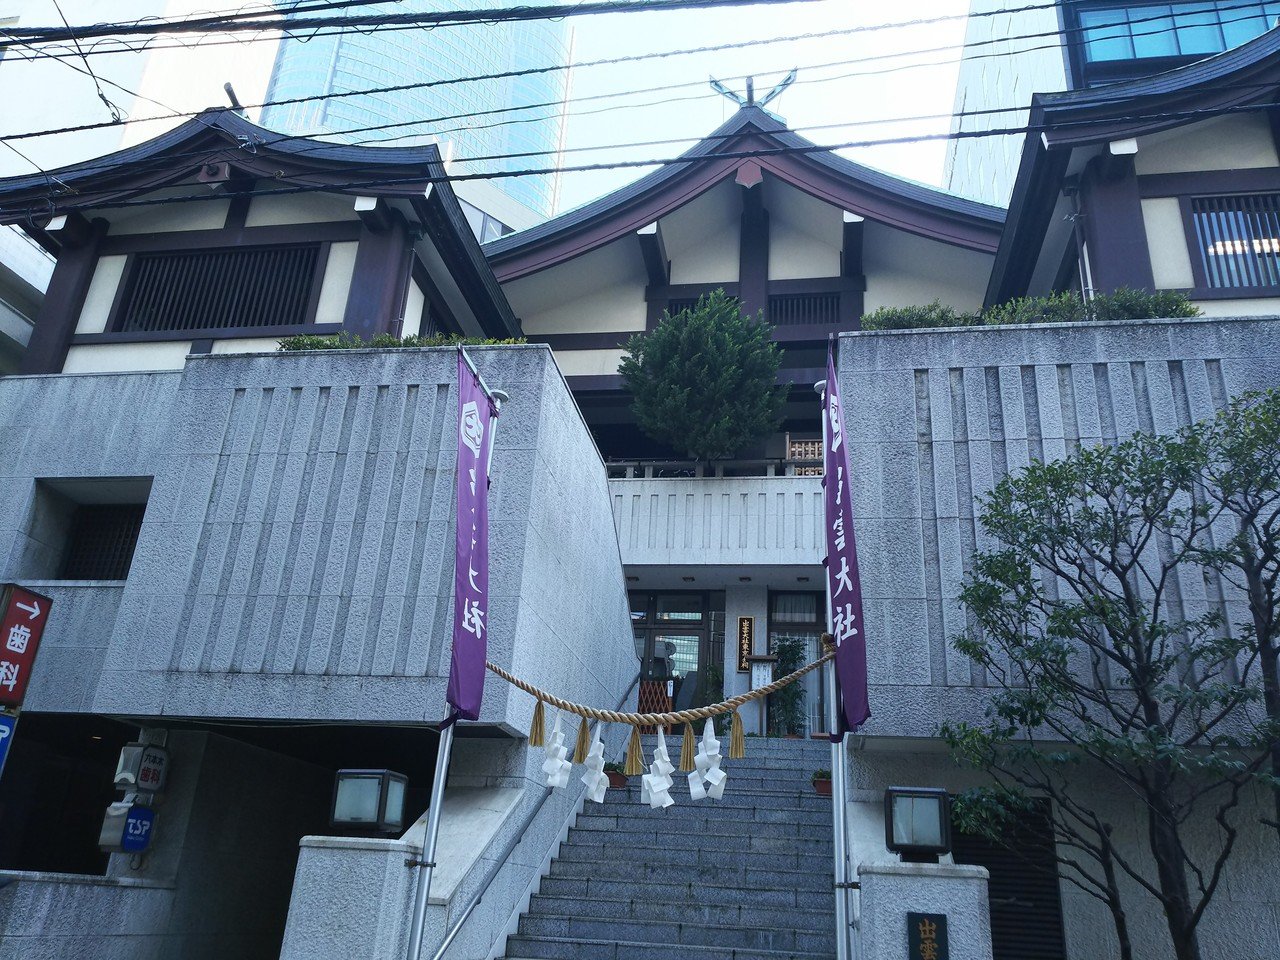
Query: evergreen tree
[{"x": 704, "y": 381}]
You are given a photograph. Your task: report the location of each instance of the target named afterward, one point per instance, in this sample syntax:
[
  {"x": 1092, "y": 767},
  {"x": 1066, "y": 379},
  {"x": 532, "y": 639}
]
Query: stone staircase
[{"x": 748, "y": 877}]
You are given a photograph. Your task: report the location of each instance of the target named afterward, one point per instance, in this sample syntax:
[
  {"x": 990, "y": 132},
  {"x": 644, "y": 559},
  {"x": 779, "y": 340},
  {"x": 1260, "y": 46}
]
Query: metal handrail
[{"x": 507, "y": 850}]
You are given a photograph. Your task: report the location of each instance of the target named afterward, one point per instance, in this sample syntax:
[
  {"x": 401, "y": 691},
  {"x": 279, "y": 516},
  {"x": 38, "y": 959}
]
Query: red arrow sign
[{"x": 21, "y": 627}]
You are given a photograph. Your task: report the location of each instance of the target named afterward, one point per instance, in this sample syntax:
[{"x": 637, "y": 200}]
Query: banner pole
[
  {"x": 427, "y": 863},
  {"x": 839, "y": 822}
]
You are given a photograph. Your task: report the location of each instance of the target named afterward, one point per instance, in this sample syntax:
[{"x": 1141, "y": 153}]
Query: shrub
[
  {"x": 704, "y": 381},
  {"x": 343, "y": 340},
  {"x": 1064, "y": 307},
  {"x": 935, "y": 314}
]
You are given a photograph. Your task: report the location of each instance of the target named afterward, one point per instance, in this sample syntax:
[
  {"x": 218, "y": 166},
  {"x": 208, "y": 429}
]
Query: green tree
[
  {"x": 1078, "y": 620},
  {"x": 1239, "y": 482},
  {"x": 786, "y": 706},
  {"x": 704, "y": 381}
]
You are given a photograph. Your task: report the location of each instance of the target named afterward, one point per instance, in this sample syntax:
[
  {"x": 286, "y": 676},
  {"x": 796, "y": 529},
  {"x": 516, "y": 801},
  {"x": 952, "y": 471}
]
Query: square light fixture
[
  {"x": 917, "y": 822},
  {"x": 369, "y": 799}
]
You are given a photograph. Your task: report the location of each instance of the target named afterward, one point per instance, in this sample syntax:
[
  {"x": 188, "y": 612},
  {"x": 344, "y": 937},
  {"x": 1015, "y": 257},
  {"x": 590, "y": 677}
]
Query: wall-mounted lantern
[
  {"x": 369, "y": 799},
  {"x": 917, "y": 822}
]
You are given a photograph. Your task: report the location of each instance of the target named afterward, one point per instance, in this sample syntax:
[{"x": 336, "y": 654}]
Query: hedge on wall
[{"x": 1065, "y": 307}]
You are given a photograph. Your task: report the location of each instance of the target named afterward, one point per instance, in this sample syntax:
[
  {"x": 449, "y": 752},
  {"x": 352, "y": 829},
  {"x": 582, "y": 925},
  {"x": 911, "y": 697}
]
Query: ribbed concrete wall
[
  {"x": 749, "y": 520},
  {"x": 936, "y": 418}
]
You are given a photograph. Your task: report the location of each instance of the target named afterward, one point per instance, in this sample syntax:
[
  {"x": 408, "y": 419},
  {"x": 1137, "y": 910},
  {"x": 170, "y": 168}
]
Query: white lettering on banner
[
  {"x": 9, "y": 674},
  {"x": 473, "y": 618},
  {"x": 843, "y": 582},
  {"x": 836, "y": 436},
  {"x": 839, "y": 485},
  {"x": 837, "y": 528},
  {"x": 471, "y": 577},
  {"x": 19, "y": 637},
  {"x": 472, "y": 430},
  {"x": 843, "y": 623}
]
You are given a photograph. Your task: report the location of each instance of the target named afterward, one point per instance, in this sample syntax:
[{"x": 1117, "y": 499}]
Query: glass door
[
  {"x": 671, "y": 643},
  {"x": 796, "y": 624}
]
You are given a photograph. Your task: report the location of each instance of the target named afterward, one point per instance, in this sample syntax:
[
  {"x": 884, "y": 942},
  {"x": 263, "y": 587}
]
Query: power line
[
  {"x": 1248, "y": 5},
  {"x": 1193, "y": 114},
  {"x": 451, "y": 18}
]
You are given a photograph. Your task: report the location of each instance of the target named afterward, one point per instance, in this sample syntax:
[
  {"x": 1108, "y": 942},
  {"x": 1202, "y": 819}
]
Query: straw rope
[{"x": 664, "y": 719}]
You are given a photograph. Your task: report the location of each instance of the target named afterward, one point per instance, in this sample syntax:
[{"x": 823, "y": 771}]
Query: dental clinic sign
[{"x": 24, "y": 616}]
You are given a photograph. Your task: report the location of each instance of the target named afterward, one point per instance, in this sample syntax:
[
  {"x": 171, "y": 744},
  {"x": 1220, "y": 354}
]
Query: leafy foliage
[
  {"x": 704, "y": 380},
  {"x": 344, "y": 340},
  {"x": 786, "y": 706},
  {"x": 1065, "y": 307},
  {"x": 1079, "y": 624}
]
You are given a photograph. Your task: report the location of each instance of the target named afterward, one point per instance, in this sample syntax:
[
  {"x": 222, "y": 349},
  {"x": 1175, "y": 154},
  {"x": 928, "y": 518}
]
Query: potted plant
[
  {"x": 822, "y": 782},
  {"x": 616, "y": 777}
]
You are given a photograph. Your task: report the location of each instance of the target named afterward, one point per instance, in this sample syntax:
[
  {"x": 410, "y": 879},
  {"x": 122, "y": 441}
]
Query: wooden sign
[
  {"x": 927, "y": 936},
  {"x": 746, "y": 642}
]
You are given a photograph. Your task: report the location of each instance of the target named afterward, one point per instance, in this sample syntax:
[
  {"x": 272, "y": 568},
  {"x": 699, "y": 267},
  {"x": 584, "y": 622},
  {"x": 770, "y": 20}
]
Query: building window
[
  {"x": 220, "y": 289},
  {"x": 1145, "y": 31},
  {"x": 1238, "y": 239},
  {"x": 803, "y": 617},
  {"x": 101, "y": 541}
]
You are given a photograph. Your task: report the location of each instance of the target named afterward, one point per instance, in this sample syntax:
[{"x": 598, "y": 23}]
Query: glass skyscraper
[{"x": 310, "y": 63}]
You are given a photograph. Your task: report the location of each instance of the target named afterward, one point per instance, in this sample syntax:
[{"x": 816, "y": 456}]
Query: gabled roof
[
  {"x": 254, "y": 153},
  {"x": 1061, "y": 122},
  {"x": 751, "y": 136}
]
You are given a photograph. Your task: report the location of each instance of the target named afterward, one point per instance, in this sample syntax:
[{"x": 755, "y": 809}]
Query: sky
[
  {"x": 851, "y": 78},
  {"x": 850, "y": 85}
]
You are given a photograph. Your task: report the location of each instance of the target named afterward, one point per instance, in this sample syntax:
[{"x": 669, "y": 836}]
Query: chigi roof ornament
[{"x": 750, "y": 99}]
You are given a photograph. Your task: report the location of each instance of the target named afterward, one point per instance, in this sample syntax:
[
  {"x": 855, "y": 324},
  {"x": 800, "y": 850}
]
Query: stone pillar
[{"x": 890, "y": 891}]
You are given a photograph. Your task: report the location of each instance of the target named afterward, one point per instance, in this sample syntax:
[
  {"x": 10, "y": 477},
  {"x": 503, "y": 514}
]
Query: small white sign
[
  {"x": 761, "y": 675},
  {"x": 142, "y": 767}
]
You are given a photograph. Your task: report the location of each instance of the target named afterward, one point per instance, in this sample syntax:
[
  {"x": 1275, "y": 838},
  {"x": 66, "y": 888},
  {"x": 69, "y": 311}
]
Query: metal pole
[
  {"x": 839, "y": 822},
  {"x": 427, "y": 864}
]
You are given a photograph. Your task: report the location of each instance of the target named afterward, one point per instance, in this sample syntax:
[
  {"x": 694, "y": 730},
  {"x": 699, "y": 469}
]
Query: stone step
[
  {"x": 685, "y": 934},
  {"x": 819, "y": 900},
  {"x": 597, "y": 819},
  {"x": 775, "y": 799},
  {"x": 817, "y": 876},
  {"x": 695, "y": 907},
  {"x": 686, "y": 839},
  {"x": 763, "y": 862},
  {"x": 634, "y": 809},
  {"x": 522, "y": 947}
]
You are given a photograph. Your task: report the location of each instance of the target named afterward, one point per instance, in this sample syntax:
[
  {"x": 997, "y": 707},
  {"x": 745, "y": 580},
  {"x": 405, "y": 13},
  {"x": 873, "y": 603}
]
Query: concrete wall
[
  {"x": 935, "y": 418},
  {"x": 294, "y": 560},
  {"x": 747, "y": 520}
]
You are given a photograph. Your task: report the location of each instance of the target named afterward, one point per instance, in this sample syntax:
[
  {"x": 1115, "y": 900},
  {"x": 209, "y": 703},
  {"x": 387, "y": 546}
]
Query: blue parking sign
[
  {"x": 8, "y": 723},
  {"x": 137, "y": 829}
]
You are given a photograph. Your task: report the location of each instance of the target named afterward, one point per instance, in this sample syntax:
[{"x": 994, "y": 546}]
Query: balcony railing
[{"x": 696, "y": 469}]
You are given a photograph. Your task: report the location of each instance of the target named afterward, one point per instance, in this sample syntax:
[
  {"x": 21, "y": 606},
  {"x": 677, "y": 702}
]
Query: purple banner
[
  {"x": 476, "y": 415},
  {"x": 844, "y": 589}
]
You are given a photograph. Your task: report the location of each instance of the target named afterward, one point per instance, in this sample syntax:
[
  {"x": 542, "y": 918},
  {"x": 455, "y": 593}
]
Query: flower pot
[
  {"x": 617, "y": 779},
  {"x": 823, "y": 787}
]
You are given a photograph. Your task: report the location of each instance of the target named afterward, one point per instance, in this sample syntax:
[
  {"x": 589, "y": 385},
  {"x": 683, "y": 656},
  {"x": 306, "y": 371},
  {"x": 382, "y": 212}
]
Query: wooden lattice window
[{"x": 220, "y": 289}]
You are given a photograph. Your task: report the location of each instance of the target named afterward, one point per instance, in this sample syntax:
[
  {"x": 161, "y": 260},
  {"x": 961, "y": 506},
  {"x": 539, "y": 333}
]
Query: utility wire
[
  {"x": 1193, "y": 114},
  {"x": 434, "y": 19},
  {"x": 111, "y": 107},
  {"x": 1249, "y": 5}
]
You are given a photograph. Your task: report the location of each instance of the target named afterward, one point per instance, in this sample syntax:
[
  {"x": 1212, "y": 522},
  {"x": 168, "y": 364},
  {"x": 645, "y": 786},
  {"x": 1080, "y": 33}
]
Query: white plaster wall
[
  {"x": 126, "y": 357},
  {"x": 702, "y": 237},
  {"x": 285, "y": 208},
  {"x": 1253, "y": 307},
  {"x": 588, "y": 363},
  {"x": 202, "y": 215},
  {"x": 1201, "y": 146},
  {"x": 246, "y": 345},
  {"x": 904, "y": 270},
  {"x": 1167, "y": 241},
  {"x": 102, "y": 293},
  {"x": 413, "y": 311},
  {"x": 805, "y": 234},
  {"x": 598, "y": 292},
  {"x": 337, "y": 282}
]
